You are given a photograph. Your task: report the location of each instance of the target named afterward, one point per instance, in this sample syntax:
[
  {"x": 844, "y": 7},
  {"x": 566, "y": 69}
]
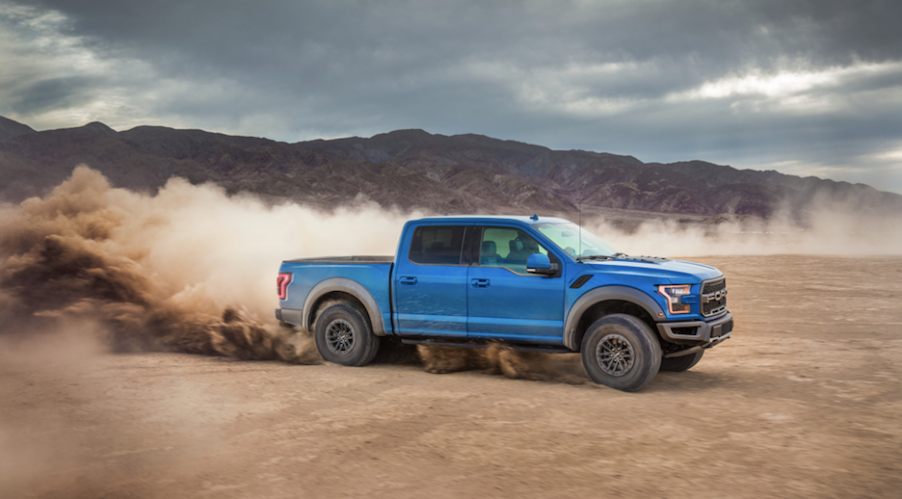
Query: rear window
[{"x": 438, "y": 245}]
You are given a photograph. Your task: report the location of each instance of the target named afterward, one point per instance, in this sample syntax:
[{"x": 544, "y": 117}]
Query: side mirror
[{"x": 538, "y": 263}]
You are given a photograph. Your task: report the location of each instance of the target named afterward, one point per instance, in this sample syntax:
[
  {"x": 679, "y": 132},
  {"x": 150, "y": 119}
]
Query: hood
[{"x": 669, "y": 271}]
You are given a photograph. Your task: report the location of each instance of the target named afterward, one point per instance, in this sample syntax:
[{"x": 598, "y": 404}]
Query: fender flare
[
  {"x": 605, "y": 293},
  {"x": 350, "y": 287}
]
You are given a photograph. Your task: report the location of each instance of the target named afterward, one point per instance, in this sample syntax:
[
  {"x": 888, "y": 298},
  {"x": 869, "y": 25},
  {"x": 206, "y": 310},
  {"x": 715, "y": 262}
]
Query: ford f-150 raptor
[{"x": 531, "y": 283}]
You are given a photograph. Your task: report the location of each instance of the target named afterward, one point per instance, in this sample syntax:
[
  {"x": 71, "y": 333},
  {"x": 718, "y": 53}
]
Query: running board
[{"x": 506, "y": 346}]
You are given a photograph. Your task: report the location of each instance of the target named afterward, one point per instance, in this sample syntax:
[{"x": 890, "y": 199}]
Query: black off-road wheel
[
  {"x": 622, "y": 352},
  {"x": 682, "y": 363},
  {"x": 343, "y": 335}
]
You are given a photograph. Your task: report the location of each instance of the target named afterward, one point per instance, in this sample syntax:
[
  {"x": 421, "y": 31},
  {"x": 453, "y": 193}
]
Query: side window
[
  {"x": 509, "y": 248},
  {"x": 437, "y": 245}
]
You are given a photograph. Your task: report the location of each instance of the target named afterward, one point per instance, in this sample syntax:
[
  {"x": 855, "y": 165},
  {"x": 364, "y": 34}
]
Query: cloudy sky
[{"x": 808, "y": 87}]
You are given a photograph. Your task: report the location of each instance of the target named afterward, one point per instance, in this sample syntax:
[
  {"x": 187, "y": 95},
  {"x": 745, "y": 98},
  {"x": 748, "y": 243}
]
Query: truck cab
[{"x": 537, "y": 283}]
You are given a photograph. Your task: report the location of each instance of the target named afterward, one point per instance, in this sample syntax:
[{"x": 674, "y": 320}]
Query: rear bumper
[{"x": 697, "y": 332}]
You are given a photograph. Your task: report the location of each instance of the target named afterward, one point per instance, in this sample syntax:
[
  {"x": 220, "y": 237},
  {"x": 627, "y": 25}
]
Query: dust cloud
[
  {"x": 497, "y": 359},
  {"x": 188, "y": 269},
  {"x": 191, "y": 269},
  {"x": 826, "y": 230}
]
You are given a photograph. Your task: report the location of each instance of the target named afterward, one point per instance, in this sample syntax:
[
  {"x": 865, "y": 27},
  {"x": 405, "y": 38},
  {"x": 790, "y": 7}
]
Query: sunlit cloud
[
  {"x": 790, "y": 86},
  {"x": 51, "y": 79},
  {"x": 880, "y": 170},
  {"x": 894, "y": 155}
]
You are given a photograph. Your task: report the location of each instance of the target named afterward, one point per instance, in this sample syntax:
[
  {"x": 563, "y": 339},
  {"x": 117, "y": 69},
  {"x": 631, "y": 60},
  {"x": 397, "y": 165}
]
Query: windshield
[{"x": 567, "y": 237}]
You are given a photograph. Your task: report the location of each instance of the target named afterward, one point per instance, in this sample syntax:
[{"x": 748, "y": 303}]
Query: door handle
[
  {"x": 480, "y": 283},
  {"x": 408, "y": 280}
]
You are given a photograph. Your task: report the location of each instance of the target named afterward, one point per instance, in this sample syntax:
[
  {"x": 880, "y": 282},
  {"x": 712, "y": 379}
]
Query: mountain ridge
[
  {"x": 414, "y": 169},
  {"x": 10, "y": 129}
]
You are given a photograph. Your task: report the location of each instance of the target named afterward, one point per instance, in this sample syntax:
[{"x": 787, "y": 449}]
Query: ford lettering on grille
[{"x": 714, "y": 297}]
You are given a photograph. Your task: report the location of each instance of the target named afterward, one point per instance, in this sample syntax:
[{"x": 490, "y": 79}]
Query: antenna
[{"x": 579, "y": 222}]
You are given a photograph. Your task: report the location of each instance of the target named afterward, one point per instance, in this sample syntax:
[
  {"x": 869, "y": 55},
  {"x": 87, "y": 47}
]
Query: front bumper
[{"x": 697, "y": 332}]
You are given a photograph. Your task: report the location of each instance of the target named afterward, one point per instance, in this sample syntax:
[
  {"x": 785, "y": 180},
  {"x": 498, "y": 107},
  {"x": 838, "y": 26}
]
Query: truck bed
[
  {"x": 345, "y": 259},
  {"x": 365, "y": 277}
]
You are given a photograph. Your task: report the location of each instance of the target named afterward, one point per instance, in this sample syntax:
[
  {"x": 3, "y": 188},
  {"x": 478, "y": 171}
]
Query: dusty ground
[{"x": 804, "y": 401}]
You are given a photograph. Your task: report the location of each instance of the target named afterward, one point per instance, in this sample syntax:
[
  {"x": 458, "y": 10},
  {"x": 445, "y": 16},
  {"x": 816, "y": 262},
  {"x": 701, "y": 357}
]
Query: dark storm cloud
[
  {"x": 52, "y": 93},
  {"x": 323, "y": 41},
  {"x": 827, "y": 31},
  {"x": 730, "y": 81}
]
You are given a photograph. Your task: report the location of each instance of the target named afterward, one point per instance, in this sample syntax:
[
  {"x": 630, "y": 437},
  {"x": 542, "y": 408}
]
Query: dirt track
[{"x": 804, "y": 401}]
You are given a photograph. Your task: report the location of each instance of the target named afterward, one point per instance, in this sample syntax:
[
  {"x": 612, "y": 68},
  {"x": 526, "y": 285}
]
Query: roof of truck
[{"x": 494, "y": 218}]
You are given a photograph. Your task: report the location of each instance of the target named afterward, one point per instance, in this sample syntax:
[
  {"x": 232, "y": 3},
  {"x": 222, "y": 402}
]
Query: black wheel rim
[
  {"x": 340, "y": 337},
  {"x": 615, "y": 355}
]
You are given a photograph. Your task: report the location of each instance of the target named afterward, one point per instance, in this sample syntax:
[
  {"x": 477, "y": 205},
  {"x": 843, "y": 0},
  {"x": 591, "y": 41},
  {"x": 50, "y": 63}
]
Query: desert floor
[{"x": 804, "y": 401}]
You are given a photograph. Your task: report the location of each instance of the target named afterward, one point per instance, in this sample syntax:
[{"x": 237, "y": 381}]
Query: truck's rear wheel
[
  {"x": 682, "y": 363},
  {"x": 622, "y": 352},
  {"x": 343, "y": 336}
]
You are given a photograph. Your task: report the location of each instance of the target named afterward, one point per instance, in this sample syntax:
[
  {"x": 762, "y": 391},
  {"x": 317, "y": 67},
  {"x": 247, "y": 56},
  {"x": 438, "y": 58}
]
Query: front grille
[
  {"x": 714, "y": 286},
  {"x": 714, "y": 297},
  {"x": 714, "y": 307}
]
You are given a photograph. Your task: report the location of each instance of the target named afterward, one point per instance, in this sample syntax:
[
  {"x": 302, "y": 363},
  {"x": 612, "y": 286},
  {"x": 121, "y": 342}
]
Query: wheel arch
[
  {"x": 345, "y": 289},
  {"x": 599, "y": 302}
]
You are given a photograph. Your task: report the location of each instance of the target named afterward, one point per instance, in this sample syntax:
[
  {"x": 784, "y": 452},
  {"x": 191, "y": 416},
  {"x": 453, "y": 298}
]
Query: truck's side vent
[
  {"x": 578, "y": 283},
  {"x": 282, "y": 283}
]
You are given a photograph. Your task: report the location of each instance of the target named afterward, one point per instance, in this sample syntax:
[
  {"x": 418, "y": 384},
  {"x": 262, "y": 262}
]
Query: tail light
[{"x": 282, "y": 283}]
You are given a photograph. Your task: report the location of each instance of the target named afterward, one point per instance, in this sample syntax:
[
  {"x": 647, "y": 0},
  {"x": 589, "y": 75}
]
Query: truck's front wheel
[
  {"x": 343, "y": 336},
  {"x": 622, "y": 352}
]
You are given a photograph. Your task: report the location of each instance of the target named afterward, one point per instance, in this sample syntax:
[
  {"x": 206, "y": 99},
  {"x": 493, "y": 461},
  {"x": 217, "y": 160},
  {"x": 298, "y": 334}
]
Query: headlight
[{"x": 674, "y": 295}]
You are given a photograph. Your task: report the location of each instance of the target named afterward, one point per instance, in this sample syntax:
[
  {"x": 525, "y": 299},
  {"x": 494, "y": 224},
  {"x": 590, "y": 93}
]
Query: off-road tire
[
  {"x": 343, "y": 335},
  {"x": 631, "y": 349},
  {"x": 683, "y": 363}
]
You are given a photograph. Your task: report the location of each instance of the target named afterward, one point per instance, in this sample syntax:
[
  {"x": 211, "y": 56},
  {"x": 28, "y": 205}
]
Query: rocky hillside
[
  {"x": 10, "y": 129},
  {"x": 412, "y": 168}
]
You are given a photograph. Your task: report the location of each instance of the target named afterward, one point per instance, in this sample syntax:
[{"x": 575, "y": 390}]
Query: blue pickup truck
[{"x": 531, "y": 283}]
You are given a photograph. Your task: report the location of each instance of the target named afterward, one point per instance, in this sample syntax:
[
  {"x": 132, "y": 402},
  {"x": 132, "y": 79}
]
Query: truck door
[
  {"x": 506, "y": 302},
  {"x": 431, "y": 283}
]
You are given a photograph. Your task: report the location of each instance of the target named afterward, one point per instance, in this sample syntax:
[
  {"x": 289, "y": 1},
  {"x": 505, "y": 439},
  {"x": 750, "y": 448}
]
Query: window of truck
[
  {"x": 567, "y": 237},
  {"x": 509, "y": 248},
  {"x": 437, "y": 245}
]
